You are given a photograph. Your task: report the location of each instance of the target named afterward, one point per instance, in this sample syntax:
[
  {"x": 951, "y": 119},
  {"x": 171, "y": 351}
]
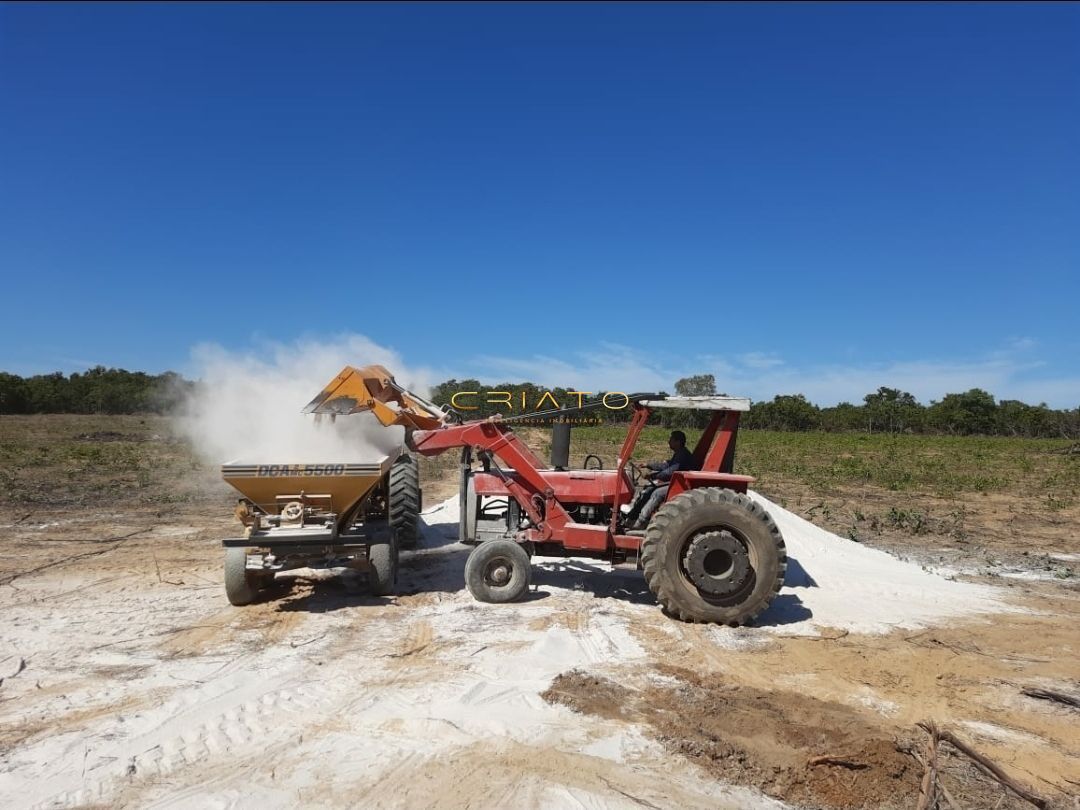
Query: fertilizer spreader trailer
[{"x": 331, "y": 515}]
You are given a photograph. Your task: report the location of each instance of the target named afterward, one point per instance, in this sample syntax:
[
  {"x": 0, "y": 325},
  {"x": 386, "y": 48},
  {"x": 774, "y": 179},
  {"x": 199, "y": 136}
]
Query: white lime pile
[{"x": 836, "y": 582}]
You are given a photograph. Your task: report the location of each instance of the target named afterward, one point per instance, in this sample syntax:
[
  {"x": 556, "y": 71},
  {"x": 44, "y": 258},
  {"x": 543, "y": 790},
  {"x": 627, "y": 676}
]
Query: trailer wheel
[
  {"x": 713, "y": 555},
  {"x": 383, "y": 562},
  {"x": 242, "y": 586},
  {"x": 403, "y": 504},
  {"x": 498, "y": 571}
]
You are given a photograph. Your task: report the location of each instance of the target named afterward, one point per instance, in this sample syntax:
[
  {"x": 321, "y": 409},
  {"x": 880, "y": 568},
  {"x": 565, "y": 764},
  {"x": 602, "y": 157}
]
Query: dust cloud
[{"x": 246, "y": 405}]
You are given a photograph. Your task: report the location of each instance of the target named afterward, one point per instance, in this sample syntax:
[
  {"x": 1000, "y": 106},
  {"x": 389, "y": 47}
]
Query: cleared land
[{"x": 129, "y": 680}]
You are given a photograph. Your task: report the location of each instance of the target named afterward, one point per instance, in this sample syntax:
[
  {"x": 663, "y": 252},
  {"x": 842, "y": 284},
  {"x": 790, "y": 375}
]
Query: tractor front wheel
[
  {"x": 498, "y": 571},
  {"x": 713, "y": 555}
]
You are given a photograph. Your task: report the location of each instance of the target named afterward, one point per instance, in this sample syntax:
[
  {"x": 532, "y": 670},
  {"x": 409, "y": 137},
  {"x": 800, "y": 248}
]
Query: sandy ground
[{"x": 129, "y": 681}]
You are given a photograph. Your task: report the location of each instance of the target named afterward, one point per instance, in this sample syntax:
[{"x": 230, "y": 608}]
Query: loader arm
[
  {"x": 373, "y": 388},
  {"x": 529, "y": 488},
  {"x": 429, "y": 432}
]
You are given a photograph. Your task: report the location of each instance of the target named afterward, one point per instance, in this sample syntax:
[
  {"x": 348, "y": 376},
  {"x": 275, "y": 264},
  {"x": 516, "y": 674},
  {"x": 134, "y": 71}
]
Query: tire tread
[
  {"x": 403, "y": 501},
  {"x": 681, "y": 507}
]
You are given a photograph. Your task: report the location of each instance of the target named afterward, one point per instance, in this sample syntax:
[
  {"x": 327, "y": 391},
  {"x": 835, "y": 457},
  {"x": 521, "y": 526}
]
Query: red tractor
[{"x": 709, "y": 554}]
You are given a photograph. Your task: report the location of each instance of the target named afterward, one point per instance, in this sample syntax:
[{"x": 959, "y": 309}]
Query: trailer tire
[
  {"x": 713, "y": 555},
  {"x": 498, "y": 571},
  {"x": 403, "y": 502},
  {"x": 383, "y": 565},
  {"x": 242, "y": 587}
]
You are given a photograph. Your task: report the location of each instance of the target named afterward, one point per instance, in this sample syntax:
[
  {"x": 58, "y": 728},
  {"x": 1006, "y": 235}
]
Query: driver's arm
[{"x": 665, "y": 471}]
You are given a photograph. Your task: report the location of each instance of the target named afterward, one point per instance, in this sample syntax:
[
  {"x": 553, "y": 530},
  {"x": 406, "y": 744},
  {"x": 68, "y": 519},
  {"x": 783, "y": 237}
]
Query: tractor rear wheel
[
  {"x": 713, "y": 555},
  {"x": 498, "y": 571},
  {"x": 242, "y": 585},
  {"x": 382, "y": 566},
  {"x": 403, "y": 504}
]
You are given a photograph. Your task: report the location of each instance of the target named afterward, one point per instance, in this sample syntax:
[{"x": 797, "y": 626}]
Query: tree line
[
  {"x": 99, "y": 390},
  {"x": 887, "y": 410}
]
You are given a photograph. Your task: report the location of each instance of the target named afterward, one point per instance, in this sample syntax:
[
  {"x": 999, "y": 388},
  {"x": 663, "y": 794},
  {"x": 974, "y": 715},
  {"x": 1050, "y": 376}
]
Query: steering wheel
[{"x": 635, "y": 474}]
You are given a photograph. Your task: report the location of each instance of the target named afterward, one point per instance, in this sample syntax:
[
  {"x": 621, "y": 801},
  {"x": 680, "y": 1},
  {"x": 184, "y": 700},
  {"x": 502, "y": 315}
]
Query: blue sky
[{"x": 798, "y": 198}]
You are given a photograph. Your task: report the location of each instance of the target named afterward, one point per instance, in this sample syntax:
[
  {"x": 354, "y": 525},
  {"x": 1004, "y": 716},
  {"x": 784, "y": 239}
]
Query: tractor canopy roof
[{"x": 707, "y": 403}]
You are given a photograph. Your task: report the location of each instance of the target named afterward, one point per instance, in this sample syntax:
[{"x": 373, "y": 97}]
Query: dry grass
[{"x": 61, "y": 460}]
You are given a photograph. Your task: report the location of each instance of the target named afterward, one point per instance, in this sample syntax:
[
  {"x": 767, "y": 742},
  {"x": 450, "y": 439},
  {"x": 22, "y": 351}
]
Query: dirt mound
[
  {"x": 790, "y": 746},
  {"x": 770, "y": 739},
  {"x": 589, "y": 694},
  {"x": 766, "y": 740}
]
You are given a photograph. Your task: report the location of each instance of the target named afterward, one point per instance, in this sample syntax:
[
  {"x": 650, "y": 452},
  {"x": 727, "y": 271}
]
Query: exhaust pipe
[{"x": 560, "y": 445}]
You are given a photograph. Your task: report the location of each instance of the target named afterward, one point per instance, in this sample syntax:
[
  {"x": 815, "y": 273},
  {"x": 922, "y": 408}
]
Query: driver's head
[{"x": 677, "y": 440}]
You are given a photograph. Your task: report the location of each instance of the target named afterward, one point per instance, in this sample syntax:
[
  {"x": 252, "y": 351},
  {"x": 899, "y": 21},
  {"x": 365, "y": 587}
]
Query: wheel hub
[
  {"x": 498, "y": 573},
  {"x": 717, "y": 563}
]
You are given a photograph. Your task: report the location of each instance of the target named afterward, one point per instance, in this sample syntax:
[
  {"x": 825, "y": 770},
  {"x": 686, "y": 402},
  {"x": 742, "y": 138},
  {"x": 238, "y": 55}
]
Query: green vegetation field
[
  {"x": 993, "y": 497},
  {"x": 1003, "y": 492},
  {"x": 942, "y": 465},
  {"x": 60, "y": 460},
  {"x": 137, "y": 453}
]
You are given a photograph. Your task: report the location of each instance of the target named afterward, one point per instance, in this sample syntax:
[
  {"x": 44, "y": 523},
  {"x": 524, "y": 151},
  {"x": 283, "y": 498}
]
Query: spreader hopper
[{"x": 332, "y": 488}]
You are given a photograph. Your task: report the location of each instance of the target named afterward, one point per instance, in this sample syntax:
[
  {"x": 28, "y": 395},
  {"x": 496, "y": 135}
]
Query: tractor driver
[{"x": 651, "y": 496}]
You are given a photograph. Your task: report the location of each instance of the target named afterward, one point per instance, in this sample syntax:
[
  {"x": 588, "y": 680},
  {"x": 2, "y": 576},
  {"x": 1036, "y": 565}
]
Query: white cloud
[
  {"x": 608, "y": 367},
  {"x": 1008, "y": 373},
  {"x": 760, "y": 360}
]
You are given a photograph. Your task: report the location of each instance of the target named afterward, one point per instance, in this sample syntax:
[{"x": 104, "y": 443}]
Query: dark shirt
[{"x": 681, "y": 459}]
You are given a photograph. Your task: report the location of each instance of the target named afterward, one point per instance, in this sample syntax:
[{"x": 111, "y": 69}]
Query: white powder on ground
[
  {"x": 835, "y": 582},
  {"x": 831, "y": 582},
  {"x": 431, "y": 699}
]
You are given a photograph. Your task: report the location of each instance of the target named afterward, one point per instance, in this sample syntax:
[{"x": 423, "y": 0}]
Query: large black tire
[
  {"x": 242, "y": 587},
  {"x": 403, "y": 502},
  {"x": 713, "y": 555},
  {"x": 498, "y": 571},
  {"x": 383, "y": 562}
]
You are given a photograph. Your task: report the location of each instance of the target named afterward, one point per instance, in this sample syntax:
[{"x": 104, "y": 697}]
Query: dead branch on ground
[
  {"x": 928, "y": 786},
  {"x": 1051, "y": 695},
  {"x": 984, "y": 763},
  {"x": 843, "y": 762}
]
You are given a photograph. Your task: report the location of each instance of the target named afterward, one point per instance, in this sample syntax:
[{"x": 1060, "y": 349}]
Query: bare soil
[
  {"x": 791, "y": 746},
  {"x": 139, "y": 684}
]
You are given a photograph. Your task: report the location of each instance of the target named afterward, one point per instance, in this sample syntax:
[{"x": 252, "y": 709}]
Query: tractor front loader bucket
[{"x": 372, "y": 388}]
